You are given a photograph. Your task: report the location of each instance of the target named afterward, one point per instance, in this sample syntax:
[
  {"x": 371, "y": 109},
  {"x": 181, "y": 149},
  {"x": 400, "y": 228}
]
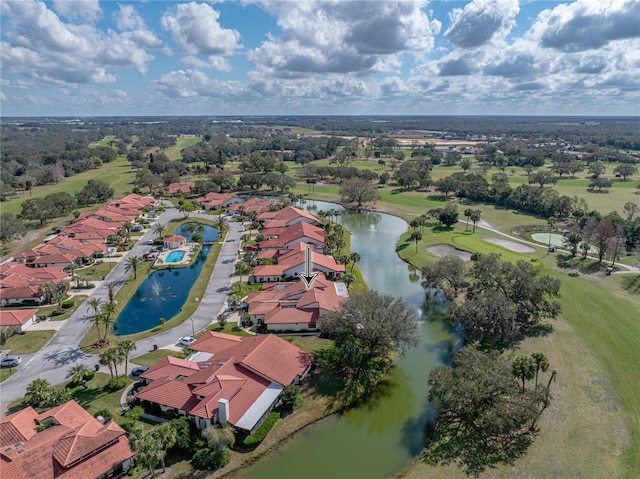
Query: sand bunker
[
  {"x": 446, "y": 250},
  {"x": 510, "y": 245}
]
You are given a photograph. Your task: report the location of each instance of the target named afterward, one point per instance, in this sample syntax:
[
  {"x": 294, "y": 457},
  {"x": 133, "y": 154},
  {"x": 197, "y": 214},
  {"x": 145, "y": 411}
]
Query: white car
[{"x": 186, "y": 341}]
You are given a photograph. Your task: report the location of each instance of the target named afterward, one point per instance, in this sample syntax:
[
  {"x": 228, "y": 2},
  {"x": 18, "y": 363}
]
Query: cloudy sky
[{"x": 479, "y": 57}]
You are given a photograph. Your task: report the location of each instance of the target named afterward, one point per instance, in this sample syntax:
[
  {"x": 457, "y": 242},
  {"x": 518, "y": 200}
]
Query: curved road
[{"x": 62, "y": 351}]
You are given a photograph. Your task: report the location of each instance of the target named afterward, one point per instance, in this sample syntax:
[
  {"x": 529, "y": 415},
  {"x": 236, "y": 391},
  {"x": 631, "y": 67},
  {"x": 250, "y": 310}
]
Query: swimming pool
[{"x": 175, "y": 257}]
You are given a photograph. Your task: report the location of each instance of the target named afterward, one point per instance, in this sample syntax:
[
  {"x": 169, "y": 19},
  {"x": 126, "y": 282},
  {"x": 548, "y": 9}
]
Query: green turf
[
  {"x": 149, "y": 359},
  {"x": 117, "y": 173},
  {"x": 29, "y": 342}
]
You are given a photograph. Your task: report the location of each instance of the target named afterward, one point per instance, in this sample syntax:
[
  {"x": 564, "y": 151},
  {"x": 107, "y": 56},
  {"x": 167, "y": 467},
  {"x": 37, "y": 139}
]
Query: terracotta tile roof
[
  {"x": 18, "y": 427},
  {"x": 281, "y": 315},
  {"x": 240, "y": 370},
  {"x": 16, "y": 317},
  {"x": 174, "y": 239},
  {"x": 77, "y": 446},
  {"x": 259, "y": 205}
]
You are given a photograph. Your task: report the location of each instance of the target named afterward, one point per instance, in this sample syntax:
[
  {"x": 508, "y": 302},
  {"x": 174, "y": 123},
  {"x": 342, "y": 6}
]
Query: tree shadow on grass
[{"x": 631, "y": 283}]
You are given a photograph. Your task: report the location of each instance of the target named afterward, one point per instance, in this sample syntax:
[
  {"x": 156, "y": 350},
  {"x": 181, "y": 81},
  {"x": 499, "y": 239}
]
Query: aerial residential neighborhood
[{"x": 322, "y": 239}]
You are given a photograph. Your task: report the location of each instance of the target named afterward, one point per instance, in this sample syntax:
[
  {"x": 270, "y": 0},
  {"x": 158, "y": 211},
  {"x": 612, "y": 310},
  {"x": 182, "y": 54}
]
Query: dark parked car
[{"x": 137, "y": 371}]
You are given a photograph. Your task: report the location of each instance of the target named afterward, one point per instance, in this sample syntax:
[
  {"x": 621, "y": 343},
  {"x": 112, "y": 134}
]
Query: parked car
[
  {"x": 10, "y": 361},
  {"x": 186, "y": 341},
  {"x": 150, "y": 241},
  {"x": 136, "y": 229},
  {"x": 137, "y": 371}
]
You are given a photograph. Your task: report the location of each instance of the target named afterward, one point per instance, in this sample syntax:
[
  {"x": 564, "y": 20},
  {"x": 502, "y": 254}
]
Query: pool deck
[{"x": 188, "y": 250}]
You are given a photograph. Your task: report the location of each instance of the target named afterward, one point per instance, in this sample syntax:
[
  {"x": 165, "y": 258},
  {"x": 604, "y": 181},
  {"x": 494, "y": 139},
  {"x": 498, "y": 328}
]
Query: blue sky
[{"x": 479, "y": 57}]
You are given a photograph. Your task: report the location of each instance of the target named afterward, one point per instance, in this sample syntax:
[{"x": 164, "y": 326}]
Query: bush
[
  {"x": 134, "y": 413},
  {"x": 70, "y": 303},
  {"x": 89, "y": 375},
  {"x": 257, "y": 437},
  {"x": 290, "y": 398},
  {"x": 207, "y": 458},
  {"x": 57, "y": 312},
  {"x": 115, "y": 384}
]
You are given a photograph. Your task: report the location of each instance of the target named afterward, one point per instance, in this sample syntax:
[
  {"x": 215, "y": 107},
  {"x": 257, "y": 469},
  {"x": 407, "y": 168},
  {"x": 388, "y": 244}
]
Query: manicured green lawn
[
  {"x": 117, "y": 173},
  {"x": 312, "y": 344},
  {"x": 48, "y": 310},
  {"x": 7, "y": 373},
  {"x": 96, "y": 271},
  {"x": 149, "y": 359},
  {"x": 29, "y": 342},
  {"x": 173, "y": 152}
]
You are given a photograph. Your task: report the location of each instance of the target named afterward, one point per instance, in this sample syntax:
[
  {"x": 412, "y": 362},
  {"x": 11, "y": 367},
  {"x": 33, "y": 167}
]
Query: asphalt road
[{"x": 54, "y": 359}]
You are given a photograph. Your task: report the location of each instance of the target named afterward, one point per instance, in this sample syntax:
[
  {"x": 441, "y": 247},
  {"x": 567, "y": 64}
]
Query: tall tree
[
  {"x": 358, "y": 191},
  {"x": 542, "y": 364},
  {"x": 38, "y": 391},
  {"x": 159, "y": 229},
  {"x": 132, "y": 263},
  {"x": 11, "y": 228},
  {"x": 125, "y": 346},
  {"x": 524, "y": 368},
  {"x": 416, "y": 237},
  {"x": 354, "y": 257},
  {"x": 484, "y": 418}
]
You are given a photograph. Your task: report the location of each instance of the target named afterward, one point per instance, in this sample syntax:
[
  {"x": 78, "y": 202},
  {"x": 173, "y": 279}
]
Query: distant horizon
[
  {"x": 6, "y": 117},
  {"x": 225, "y": 58}
]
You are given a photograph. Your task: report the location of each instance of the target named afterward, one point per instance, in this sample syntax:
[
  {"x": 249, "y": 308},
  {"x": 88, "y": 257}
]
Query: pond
[
  {"x": 163, "y": 293},
  {"x": 381, "y": 436}
]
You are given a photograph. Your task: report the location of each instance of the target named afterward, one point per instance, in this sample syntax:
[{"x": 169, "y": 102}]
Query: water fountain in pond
[{"x": 158, "y": 292}]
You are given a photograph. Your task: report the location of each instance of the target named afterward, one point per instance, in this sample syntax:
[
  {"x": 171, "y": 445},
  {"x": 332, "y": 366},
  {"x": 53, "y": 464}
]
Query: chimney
[{"x": 223, "y": 411}]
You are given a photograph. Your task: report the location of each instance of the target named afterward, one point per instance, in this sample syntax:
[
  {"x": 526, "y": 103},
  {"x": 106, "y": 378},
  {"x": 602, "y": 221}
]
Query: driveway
[{"x": 62, "y": 351}]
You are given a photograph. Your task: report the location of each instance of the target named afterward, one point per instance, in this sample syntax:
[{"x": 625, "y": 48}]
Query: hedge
[{"x": 257, "y": 437}]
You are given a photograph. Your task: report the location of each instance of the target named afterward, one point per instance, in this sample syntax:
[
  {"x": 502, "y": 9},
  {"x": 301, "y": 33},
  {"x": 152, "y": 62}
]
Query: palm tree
[
  {"x": 111, "y": 290},
  {"x": 159, "y": 228},
  {"x": 147, "y": 447},
  {"x": 468, "y": 212},
  {"x": 222, "y": 320},
  {"x": 94, "y": 304},
  {"x": 107, "y": 318},
  {"x": 234, "y": 301},
  {"x": 416, "y": 237},
  {"x": 542, "y": 364},
  {"x": 77, "y": 372},
  {"x": 105, "y": 360},
  {"x": 524, "y": 368},
  {"x": 220, "y": 222},
  {"x": 550, "y": 221},
  {"x": 475, "y": 217},
  {"x": 126, "y": 346},
  {"x": 354, "y": 257},
  {"x": 348, "y": 278},
  {"x": 190, "y": 228},
  {"x": 166, "y": 436},
  {"x": 38, "y": 391},
  {"x": 132, "y": 264}
]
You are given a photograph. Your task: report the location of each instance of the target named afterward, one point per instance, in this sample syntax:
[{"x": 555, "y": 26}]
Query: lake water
[
  {"x": 381, "y": 436},
  {"x": 164, "y": 292}
]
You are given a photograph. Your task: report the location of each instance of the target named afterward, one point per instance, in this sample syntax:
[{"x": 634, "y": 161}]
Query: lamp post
[{"x": 193, "y": 331}]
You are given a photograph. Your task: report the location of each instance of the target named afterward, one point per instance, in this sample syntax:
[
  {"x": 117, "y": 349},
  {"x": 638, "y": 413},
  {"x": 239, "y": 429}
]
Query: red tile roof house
[
  {"x": 294, "y": 262},
  {"x": 228, "y": 380},
  {"x": 293, "y": 306},
  {"x": 174, "y": 189},
  {"x": 174, "y": 242},
  {"x": 288, "y": 237},
  {"x": 213, "y": 201},
  {"x": 19, "y": 283},
  {"x": 75, "y": 445},
  {"x": 18, "y": 320},
  {"x": 287, "y": 216},
  {"x": 258, "y": 205},
  {"x": 61, "y": 251}
]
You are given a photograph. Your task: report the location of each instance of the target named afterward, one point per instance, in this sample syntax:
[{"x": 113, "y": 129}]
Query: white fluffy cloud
[
  {"x": 129, "y": 20},
  {"x": 587, "y": 24},
  {"x": 342, "y": 37},
  {"x": 84, "y": 10},
  {"x": 197, "y": 31},
  {"x": 40, "y": 45},
  {"x": 480, "y": 21}
]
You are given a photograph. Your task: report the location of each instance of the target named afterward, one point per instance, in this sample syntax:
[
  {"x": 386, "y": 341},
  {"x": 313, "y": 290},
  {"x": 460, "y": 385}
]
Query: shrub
[
  {"x": 134, "y": 413},
  {"x": 207, "y": 458},
  {"x": 290, "y": 398},
  {"x": 70, "y": 303},
  {"x": 89, "y": 375},
  {"x": 257, "y": 437},
  {"x": 57, "y": 312}
]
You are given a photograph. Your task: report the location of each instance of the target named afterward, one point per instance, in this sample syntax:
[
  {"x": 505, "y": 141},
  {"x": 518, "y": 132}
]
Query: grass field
[
  {"x": 29, "y": 342},
  {"x": 173, "y": 152},
  {"x": 592, "y": 428},
  {"x": 149, "y": 359},
  {"x": 117, "y": 173}
]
